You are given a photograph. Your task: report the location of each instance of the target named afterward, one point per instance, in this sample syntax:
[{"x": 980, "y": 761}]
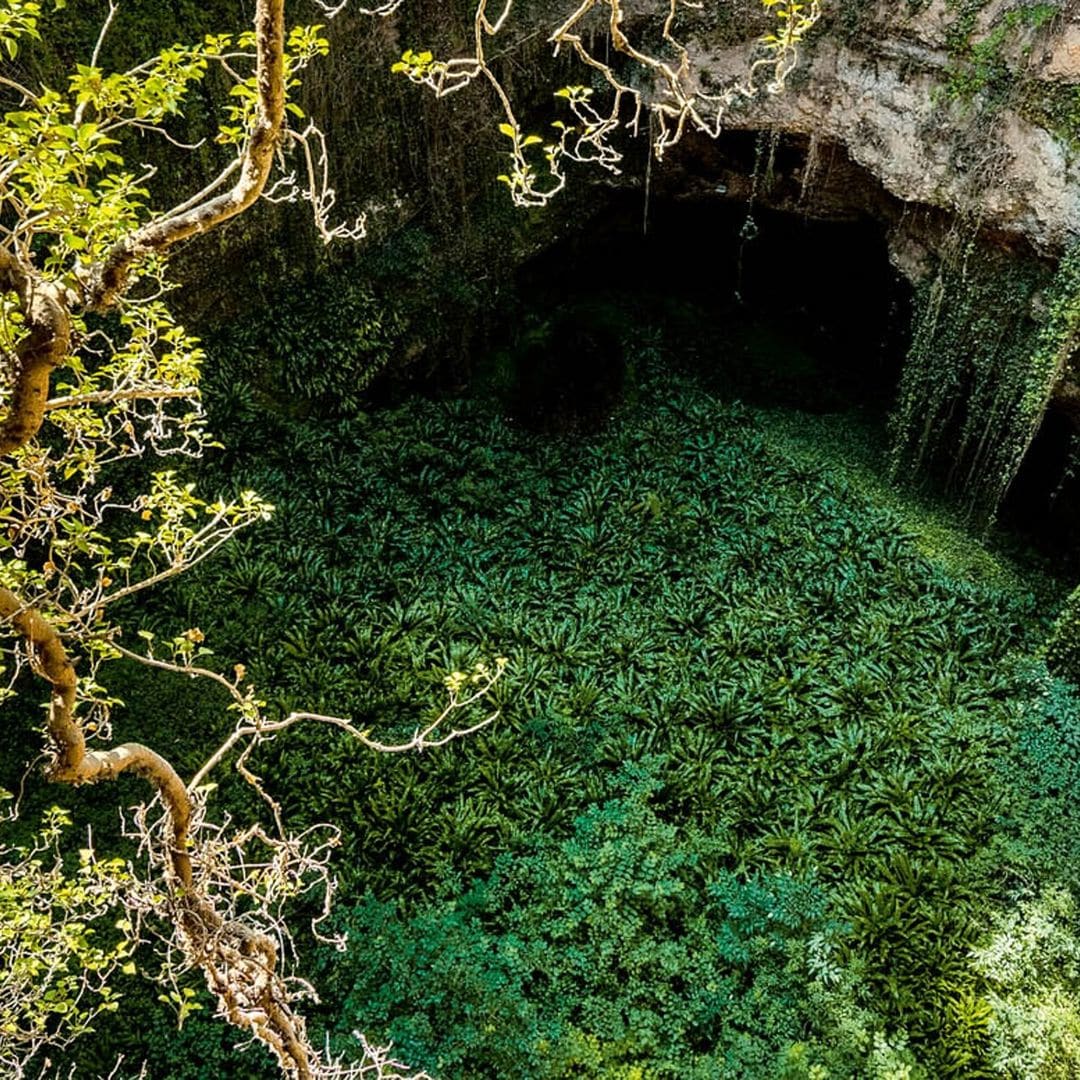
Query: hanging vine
[{"x": 992, "y": 339}]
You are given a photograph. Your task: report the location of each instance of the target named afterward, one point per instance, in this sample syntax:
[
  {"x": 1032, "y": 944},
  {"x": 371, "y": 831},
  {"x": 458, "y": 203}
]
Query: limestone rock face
[
  {"x": 1063, "y": 57},
  {"x": 883, "y": 94}
]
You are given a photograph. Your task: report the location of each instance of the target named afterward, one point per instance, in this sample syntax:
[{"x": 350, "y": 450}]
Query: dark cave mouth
[
  {"x": 1042, "y": 504},
  {"x": 772, "y": 308}
]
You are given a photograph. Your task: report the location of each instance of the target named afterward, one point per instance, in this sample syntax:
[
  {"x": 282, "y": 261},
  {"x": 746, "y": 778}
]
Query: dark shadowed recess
[
  {"x": 768, "y": 306},
  {"x": 771, "y": 289},
  {"x": 1042, "y": 504}
]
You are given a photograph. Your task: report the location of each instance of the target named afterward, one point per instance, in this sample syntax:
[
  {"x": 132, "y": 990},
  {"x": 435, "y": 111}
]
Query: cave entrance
[
  {"x": 768, "y": 306},
  {"x": 1042, "y": 504}
]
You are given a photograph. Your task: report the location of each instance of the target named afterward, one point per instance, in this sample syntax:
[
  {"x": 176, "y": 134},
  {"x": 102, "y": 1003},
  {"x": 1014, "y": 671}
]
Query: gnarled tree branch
[
  {"x": 72, "y": 763},
  {"x": 38, "y": 354},
  {"x": 240, "y": 964},
  {"x": 106, "y": 281}
]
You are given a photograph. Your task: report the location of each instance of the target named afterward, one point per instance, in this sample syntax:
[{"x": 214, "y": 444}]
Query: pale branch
[
  {"x": 252, "y": 724},
  {"x": 381, "y": 11},
  {"x": 80, "y": 111},
  {"x": 318, "y": 194},
  {"x": 17, "y": 796},
  {"x": 108, "y": 397},
  {"x": 240, "y": 963},
  {"x": 201, "y": 196},
  {"x": 22, "y": 91},
  {"x": 6, "y": 171},
  {"x": 421, "y": 739},
  {"x": 157, "y": 129},
  {"x": 377, "y": 1064},
  {"x": 675, "y": 98},
  {"x": 190, "y": 670},
  {"x": 71, "y": 761},
  {"x": 106, "y": 24},
  {"x": 201, "y": 545},
  {"x": 681, "y": 99}
]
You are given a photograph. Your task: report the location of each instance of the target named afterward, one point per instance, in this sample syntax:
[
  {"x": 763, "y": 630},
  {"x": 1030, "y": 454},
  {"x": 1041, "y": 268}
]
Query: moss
[
  {"x": 988, "y": 65},
  {"x": 966, "y": 404},
  {"x": 992, "y": 338},
  {"x": 1055, "y": 107},
  {"x": 1063, "y": 645}
]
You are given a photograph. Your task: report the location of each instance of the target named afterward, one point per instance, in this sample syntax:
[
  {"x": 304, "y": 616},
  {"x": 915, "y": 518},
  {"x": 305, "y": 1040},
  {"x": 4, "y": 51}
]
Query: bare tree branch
[{"x": 107, "y": 397}]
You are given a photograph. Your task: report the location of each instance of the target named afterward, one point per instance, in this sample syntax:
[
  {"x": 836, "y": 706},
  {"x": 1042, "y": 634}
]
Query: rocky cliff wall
[{"x": 973, "y": 109}]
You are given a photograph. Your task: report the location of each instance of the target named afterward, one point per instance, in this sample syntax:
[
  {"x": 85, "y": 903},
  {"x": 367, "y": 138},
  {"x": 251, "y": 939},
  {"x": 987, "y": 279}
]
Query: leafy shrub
[
  {"x": 1041, "y": 774},
  {"x": 156, "y": 1049},
  {"x": 616, "y": 954},
  {"x": 1032, "y": 965},
  {"x": 316, "y": 346},
  {"x": 1063, "y": 645}
]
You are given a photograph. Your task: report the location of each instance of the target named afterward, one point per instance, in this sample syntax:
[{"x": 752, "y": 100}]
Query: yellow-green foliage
[
  {"x": 1032, "y": 966},
  {"x": 62, "y": 940}
]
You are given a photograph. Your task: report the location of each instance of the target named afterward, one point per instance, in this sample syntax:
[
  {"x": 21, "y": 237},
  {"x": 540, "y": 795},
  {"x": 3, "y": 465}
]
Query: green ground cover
[{"x": 774, "y": 756}]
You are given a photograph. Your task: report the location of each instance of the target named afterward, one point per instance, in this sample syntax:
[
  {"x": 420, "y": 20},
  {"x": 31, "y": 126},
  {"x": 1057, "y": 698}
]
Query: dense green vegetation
[{"x": 773, "y": 758}]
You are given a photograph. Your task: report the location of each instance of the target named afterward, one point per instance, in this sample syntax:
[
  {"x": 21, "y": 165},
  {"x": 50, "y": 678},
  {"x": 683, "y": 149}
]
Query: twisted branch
[
  {"x": 38, "y": 354},
  {"x": 106, "y": 281},
  {"x": 240, "y": 963}
]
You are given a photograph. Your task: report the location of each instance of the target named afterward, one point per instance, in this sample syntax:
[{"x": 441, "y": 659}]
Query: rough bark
[
  {"x": 107, "y": 280},
  {"x": 72, "y": 763},
  {"x": 240, "y": 964},
  {"x": 44, "y": 348}
]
